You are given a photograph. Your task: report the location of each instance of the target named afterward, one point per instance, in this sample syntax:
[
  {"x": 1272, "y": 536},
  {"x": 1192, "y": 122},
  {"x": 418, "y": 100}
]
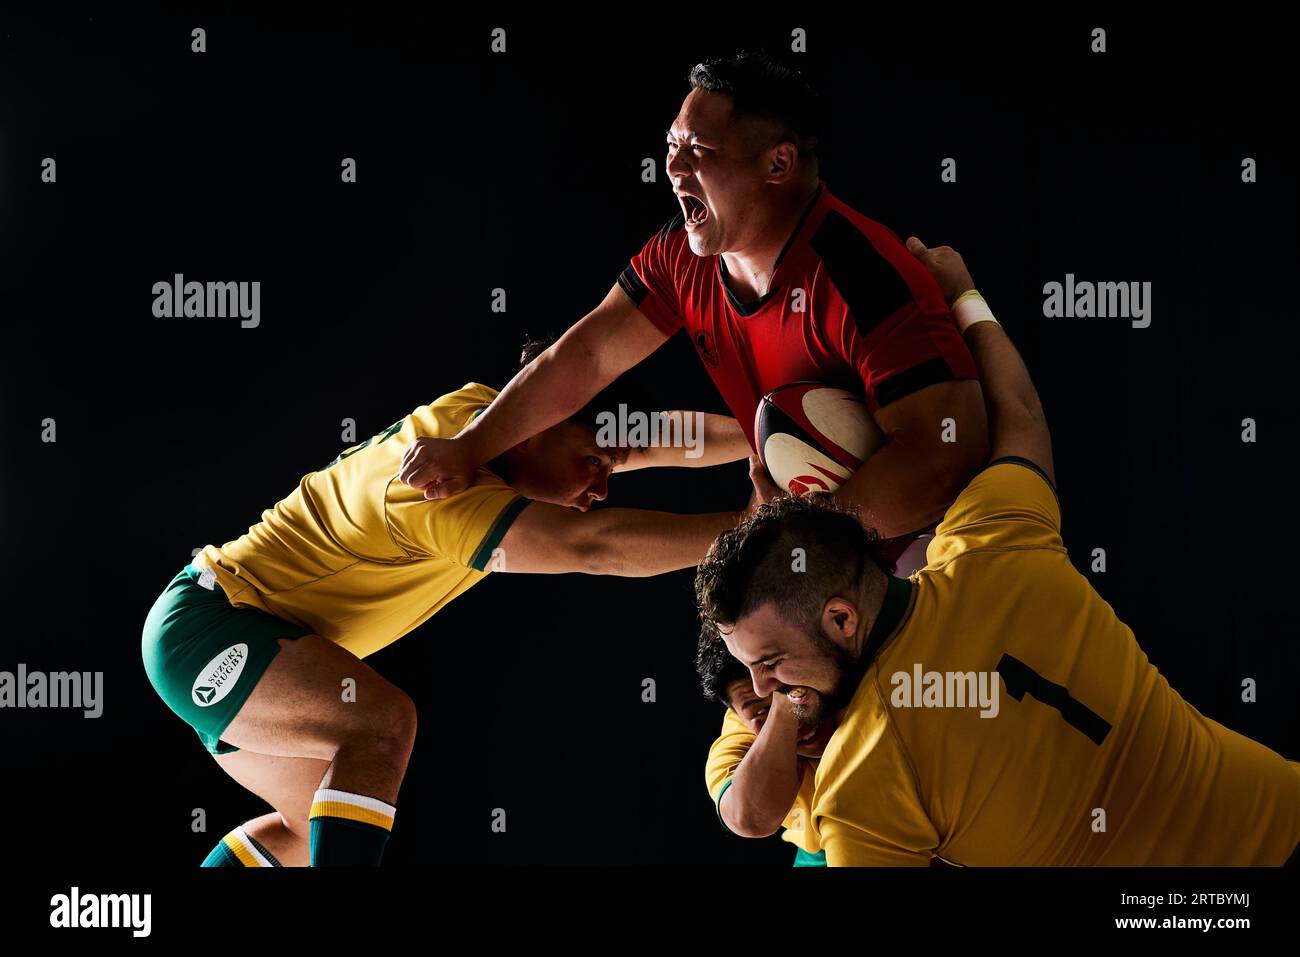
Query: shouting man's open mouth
[{"x": 693, "y": 209}]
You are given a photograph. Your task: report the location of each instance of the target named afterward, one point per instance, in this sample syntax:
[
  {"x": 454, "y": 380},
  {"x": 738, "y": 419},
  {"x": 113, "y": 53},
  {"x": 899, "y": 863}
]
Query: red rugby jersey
[{"x": 873, "y": 319}]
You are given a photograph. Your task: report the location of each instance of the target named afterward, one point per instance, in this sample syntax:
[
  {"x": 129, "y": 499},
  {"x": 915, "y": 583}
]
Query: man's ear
[
  {"x": 784, "y": 157},
  {"x": 840, "y": 619}
]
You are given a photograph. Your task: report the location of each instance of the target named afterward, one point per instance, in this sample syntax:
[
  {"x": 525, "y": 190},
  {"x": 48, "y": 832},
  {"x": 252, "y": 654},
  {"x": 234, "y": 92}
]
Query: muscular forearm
[
  {"x": 937, "y": 439},
  {"x": 635, "y": 542},
  {"x": 691, "y": 439},
  {"x": 765, "y": 785},
  {"x": 548, "y": 390},
  {"x": 1009, "y": 392},
  {"x": 905, "y": 485},
  {"x": 1016, "y": 424}
]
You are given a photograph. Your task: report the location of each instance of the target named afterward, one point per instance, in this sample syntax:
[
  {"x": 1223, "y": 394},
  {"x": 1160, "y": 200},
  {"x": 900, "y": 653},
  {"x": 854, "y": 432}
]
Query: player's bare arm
[
  {"x": 766, "y": 782},
  {"x": 718, "y": 440},
  {"x": 605, "y": 343},
  {"x": 628, "y": 542},
  {"x": 917, "y": 472},
  {"x": 1017, "y": 425}
]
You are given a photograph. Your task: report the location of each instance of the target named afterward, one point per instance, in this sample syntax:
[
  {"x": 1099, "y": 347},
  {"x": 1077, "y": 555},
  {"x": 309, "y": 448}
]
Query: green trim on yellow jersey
[
  {"x": 361, "y": 558},
  {"x": 894, "y": 609},
  {"x": 483, "y": 555},
  {"x": 718, "y": 805}
]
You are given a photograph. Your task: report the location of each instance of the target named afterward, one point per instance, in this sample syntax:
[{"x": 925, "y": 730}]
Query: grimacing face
[
  {"x": 813, "y": 671},
  {"x": 718, "y": 165},
  {"x": 564, "y": 466}
]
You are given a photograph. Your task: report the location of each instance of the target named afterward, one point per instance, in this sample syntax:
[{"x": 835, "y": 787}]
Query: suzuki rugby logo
[{"x": 219, "y": 676}]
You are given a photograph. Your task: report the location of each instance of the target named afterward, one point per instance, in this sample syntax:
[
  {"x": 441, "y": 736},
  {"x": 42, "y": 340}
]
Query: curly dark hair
[
  {"x": 716, "y": 666},
  {"x": 797, "y": 551}
]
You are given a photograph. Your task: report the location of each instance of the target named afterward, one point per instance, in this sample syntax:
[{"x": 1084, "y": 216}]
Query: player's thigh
[
  {"x": 287, "y": 784},
  {"x": 243, "y": 678},
  {"x": 315, "y": 696}
]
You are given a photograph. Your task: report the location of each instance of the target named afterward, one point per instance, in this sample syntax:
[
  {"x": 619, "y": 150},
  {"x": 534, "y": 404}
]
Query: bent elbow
[{"x": 754, "y": 825}]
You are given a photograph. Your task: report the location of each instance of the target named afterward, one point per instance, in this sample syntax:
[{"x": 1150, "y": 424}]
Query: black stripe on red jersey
[
  {"x": 866, "y": 280},
  {"x": 674, "y": 224},
  {"x": 929, "y": 372},
  {"x": 632, "y": 285}
]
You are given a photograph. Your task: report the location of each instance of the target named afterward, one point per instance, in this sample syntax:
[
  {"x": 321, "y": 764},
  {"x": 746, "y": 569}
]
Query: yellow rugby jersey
[
  {"x": 725, "y": 756},
  {"x": 1087, "y": 733},
  {"x": 361, "y": 558}
]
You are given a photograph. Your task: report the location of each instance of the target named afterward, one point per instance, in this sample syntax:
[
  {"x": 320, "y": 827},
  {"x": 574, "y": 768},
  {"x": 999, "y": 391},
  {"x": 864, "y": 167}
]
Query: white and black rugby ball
[{"x": 812, "y": 437}]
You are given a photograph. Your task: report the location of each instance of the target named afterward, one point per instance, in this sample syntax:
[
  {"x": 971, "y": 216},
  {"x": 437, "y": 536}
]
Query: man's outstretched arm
[
  {"x": 626, "y": 542},
  {"x": 698, "y": 440},
  {"x": 607, "y": 342}
]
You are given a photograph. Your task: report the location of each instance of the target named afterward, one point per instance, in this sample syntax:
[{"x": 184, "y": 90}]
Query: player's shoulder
[
  {"x": 670, "y": 235},
  {"x": 1009, "y": 504},
  {"x": 462, "y": 405},
  {"x": 844, "y": 232},
  {"x": 672, "y": 231},
  {"x": 667, "y": 247},
  {"x": 664, "y": 262},
  {"x": 472, "y": 392},
  {"x": 868, "y": 264},
  {"x": 446, "y": 415},
  {"x": 1011, "y": 481}
]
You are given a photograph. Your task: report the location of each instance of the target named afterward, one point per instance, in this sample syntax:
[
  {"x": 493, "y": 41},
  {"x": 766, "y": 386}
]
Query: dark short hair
[
  {"x": 717, "y": 667},
  {"x": 757, "y": 562},
  {"x": 760, "y": 87}
]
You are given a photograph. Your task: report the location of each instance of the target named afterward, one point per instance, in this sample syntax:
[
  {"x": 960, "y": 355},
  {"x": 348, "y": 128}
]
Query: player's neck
[
  {"x": 750, "y": 269},
  {"x": 871, "y": 602}
]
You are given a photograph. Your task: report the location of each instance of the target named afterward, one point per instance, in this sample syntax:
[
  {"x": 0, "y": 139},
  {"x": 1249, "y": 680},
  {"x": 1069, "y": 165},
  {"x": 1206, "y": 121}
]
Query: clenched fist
[
  {"x": 946, "y": 265},
  {"x": 442, "y": 467}
]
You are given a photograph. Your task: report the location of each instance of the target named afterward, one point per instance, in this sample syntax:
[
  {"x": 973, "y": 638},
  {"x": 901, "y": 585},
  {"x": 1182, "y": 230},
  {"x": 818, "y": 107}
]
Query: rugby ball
[{"x": 812, "y": 437}]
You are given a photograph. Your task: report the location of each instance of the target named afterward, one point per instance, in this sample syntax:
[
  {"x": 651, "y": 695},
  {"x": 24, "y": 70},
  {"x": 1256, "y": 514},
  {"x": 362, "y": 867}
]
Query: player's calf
[
  {"x": 240, "y": 848},
  {"x": 247, "y": 680},
  {"x": 297, "y": 708},
  {"x": 287, "y": 785}
]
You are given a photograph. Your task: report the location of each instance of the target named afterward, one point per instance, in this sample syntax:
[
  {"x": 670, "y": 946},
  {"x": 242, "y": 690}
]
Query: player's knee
[
  {"x": 296, "y": 818},
  {"x": 391, "y": 723}
]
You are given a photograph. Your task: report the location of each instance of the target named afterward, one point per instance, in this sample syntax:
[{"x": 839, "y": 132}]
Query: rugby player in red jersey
[{"x": 775, "y": 281}]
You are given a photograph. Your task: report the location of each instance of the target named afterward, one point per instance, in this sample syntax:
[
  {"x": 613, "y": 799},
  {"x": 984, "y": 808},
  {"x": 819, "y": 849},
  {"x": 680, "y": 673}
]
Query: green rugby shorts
[{"x": 204, "y": 656}]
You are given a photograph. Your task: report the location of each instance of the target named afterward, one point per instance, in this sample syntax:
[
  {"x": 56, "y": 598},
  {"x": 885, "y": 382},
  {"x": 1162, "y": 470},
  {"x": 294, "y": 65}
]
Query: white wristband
[{"x": 969, "y": 309}]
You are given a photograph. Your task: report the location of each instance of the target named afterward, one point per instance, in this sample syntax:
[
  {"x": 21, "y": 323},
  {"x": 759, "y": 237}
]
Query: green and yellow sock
[
  {"x": 348, "y": 830},
  {"x": 237, "y": 849}
]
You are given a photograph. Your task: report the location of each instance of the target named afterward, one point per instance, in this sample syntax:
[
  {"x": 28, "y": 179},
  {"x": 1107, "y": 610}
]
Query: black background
[{"x": 522, "y": 171}]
